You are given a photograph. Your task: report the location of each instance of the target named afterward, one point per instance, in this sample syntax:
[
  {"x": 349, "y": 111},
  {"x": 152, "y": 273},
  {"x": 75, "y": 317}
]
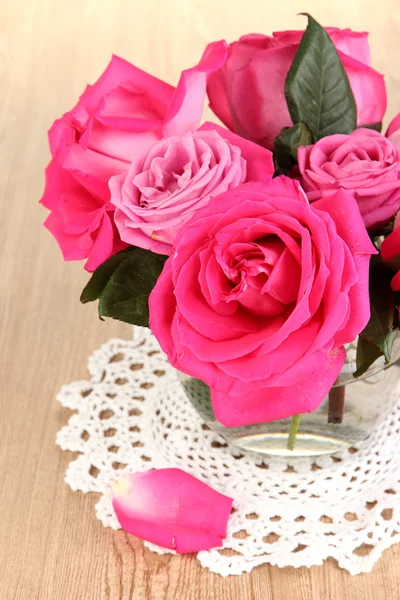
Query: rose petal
[
  {"x": 284, "y": 281},
  {"x": 350, "y": 42},
  {"x": 102, "y": 246},
  {"x": 343, "y": 208},
  {"x": 187, "y": 105},
  {"x": 261, "y": 85},
  {"x": 369, "y": 90},
  {"x": 271, "y": 403},
  {"x": 171, "y": 508},
  {"x": 73, "y": 247},
  {"x": 120, "y": 72},
  {"x": 260, "y": 161}
]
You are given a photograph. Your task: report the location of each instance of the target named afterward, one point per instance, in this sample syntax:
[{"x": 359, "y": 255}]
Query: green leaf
[
  {"x": 101, "y": 276},
  {"x": 317, "y": 88},
  {"x": 287, "y": 143},
  {"x": 378, "y": 336},
  {"x": 380, "y": 324},
  {"x": 125, "y": 296},
  {"x": 367, "y": 354},
  {"x": 374, "y": 126}
]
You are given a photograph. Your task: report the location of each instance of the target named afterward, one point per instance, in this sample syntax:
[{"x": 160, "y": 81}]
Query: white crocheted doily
[{"x": 132, "y": 415}]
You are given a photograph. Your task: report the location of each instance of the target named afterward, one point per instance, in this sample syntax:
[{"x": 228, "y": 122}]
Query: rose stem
[
  {"x": 294, "y": 428},
  {"x": 336, "y": 404}
]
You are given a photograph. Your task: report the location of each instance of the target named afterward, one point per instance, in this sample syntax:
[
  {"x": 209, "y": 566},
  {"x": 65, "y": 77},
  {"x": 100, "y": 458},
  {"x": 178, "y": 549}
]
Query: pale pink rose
[
  {"x": 122, "y": 114},
  {"x": 248, "y": 95},
  {"x": 172, "y": 509},
  {"x": 390, "y": 250},
  {"x": 176, "y": 177},
  {"x": 259, "y": 295},
  {"x": 364, "y": 163}
]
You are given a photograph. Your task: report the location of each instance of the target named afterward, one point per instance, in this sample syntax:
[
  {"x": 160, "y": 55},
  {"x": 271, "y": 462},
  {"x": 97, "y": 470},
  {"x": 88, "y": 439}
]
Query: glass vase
[{"x": 347, "y": 416}]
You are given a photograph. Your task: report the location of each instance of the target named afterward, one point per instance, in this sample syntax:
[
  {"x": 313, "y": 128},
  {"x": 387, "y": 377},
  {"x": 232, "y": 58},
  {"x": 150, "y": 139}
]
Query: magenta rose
[
  {"x": 123, "y": 113},
  {"x": 364, "y": 163},
  {"x": 176, "y": 177},
  {"x": 259, "y": 296},
  {"x": 248, "y": 95}
]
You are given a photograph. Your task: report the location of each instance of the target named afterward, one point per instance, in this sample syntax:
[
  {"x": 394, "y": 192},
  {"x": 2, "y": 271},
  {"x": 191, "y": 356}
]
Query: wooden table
[{"x": 51, "y": 545}]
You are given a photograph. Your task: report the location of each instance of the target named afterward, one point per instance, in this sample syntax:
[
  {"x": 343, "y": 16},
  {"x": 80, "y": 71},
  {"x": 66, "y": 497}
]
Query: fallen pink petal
[{"x": 171, "y": 508}]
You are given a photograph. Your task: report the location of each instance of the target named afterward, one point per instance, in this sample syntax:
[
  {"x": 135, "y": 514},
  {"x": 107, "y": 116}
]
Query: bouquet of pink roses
[{"x": 246, "y": 248}]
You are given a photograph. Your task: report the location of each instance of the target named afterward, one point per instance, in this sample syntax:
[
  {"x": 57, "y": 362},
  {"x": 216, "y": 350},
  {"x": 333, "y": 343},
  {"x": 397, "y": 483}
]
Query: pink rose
[
  {"x": 364, "y": 163},
  {"x": 176, "y": 177},
  {"x": 247, "y": 93},
  {"x": 259, "y": 295},
  {"x": 123, "y": 113},
  {"x": 390, "y": 250}
]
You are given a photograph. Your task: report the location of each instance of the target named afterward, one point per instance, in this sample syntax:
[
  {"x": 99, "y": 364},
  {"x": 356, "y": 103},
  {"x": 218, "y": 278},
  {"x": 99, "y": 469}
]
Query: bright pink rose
[
  {"x": 247, "y": 93},
  {"x": 123, "y": 113},
  {"x": 390, "y": 250},
  {"x": 259, "y": 295},
  {"x": 178, "y": 175},
  {"x": 171, "y": 508},
  {"x": 364, "y": 163}
]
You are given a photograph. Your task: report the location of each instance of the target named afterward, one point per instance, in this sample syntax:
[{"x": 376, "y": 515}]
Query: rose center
[{"x": 264, "y": 275}]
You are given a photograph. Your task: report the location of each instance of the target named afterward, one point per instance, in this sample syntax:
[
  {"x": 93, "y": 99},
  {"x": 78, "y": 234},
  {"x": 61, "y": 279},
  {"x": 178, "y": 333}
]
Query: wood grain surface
[{"x": 51, "y": 545}]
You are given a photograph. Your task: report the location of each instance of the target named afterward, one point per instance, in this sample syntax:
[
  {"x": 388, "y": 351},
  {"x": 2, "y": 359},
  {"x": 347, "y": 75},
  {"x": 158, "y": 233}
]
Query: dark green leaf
[
  {"x": 98, "y": 281},
  {"x": 380, "y": 324},
  {"x": 288, "y": 142},
  {"x": 367, "y": 354},
  {"x": 317, "y": 88},
  {"x": 125, "y": 296},
  {"x": 374, "y": 126},
  {"x": 378, "y": 336}
]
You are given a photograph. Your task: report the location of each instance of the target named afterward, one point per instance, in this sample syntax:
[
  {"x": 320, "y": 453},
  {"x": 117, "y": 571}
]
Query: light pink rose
[
  {"x": 364, "y": 163},
  {"x": 172, "y": 509},
  {"x": 259, "y": 295},
  {"x": 247, "y": 93},
  {"x": 176, "y": 177},
  {"x": 123, "y": 113}
]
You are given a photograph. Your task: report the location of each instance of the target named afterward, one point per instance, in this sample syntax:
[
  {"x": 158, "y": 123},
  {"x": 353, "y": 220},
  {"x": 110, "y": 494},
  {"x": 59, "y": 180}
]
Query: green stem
[{"x": 294, "y": 428}]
